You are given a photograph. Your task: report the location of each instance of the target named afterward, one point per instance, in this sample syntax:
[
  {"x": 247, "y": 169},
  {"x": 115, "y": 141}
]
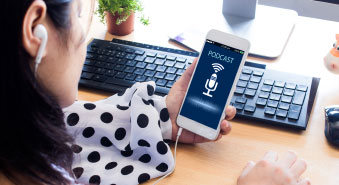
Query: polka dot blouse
[{"x": 121, "y": 140}]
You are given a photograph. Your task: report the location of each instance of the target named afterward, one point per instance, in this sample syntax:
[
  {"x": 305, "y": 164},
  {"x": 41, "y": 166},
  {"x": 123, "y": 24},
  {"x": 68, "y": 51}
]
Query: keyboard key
[
  {"x": 264, "y": 94},
  {"x": 139, "y": 71},
  {"x": 250, "y": 92},
  {"x": 151, "y": 54},
  {"x": 266, "y": 88},
  {"x": 140, "y": 78},
  {"x": 179, "y": 65},
  {"x": 288, "y": 92},
  {"x": 270, "y": 111},
  {"x": 258, "y": 73},
  {"x": 247, "y": 71},
  {"x": 121, "y": 61},
  {"x": 110, "y": 73},
  {"x": 239, "y": 90},
  {"x": 161, "y": 82},
  {"x": 159, "y": 75},
  {"x": 241, "y": 100},
  {"x": 149, "y": 60},
  {"x": 171, "y": 70},
  {"x": 284, "y": 106},
  {"x": 151, "y": 66},
  {"x": 151, "y": 79},
  {"x": 269, "y": 82},
  {"x": 186, "y": 66},
  {"x": 169, "y": 57},
  {"x": 294, "y": 112},
  {"x": 279, "y": 84},
  {"x": 119, "y": 67},
  {"x": 275, "y": 97},
  {"x": 88, "y": 76},
  {"x": 170, "y": 84},
  {"x": 139, "y": 58},
  {"x": 298, "y": 98},
  {"x": 111, "y": 59},
  {"x": 131, "y": 63},
  {"x": 302, "y": 88},
  {"x": 130, "y": 50},
  {"x": 180, "y": 72},
  {"x": 149, "y": 73},
  {"x": 139, "y": 52},
  {"x": 170, "y": 77},
  {"x": 120, "y": 54},
  {"x": 261, "y": 101},
  {"x": 277, "y": 90},
  {"x": 89, "y": 68},
  {"x": 120, "y": 75},
  {"x": 90, "y": 56},
  {"x": 190, "y": 61},
  {"x": 272, "y": 103},
  {"x": 99, "y": 64},
  {"x": 255, "y": 79},
  {"x": 281, "y": 113},
  {"x": 290, "y": 85},
  {"x": 239, "y": 106},
  {"x": 100, "y": 71},
  {"x": 241, "y": 83},
  {"x": 249, "y": 108},
  {"x": 99, "y": 78},
  {"x": 129, "y": 69},
  {"x": 124, "y": 83},
  {"x": 161, "y": 56},
  {"x": 169, "y": 63},
  {"x": 159, "y": 62},
  {"x": 286, "y": 99},
  {"x": 141, "y": 65},
  {"x": 161, "y": 68},
  {"x": 130, "y": 56},
  {"x": 181, "y": 59},
  {"x": 109, "y": 66},
  {"x": 130, "y": 77},
  {"x": 252, "y": 85},
  {"x": 244, "y": 77},
  {"x": 89, "y": 62}
]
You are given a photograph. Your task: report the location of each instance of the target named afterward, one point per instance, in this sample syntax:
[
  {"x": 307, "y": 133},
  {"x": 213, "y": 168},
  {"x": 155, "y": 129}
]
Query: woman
[{"x": 39, "y": 140}]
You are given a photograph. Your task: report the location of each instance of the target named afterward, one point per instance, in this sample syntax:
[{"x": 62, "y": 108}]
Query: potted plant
[{"x": 120, "y": 14}]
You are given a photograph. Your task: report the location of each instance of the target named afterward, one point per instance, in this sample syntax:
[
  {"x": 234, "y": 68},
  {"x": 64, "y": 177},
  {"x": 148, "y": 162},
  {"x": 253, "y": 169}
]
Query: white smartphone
[{"x": 213, "y": 83}]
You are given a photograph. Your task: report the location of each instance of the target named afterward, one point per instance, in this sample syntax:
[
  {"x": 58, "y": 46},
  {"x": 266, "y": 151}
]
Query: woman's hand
[
  {"x": 273, "y": 171},
  {"x": 173, "y": 102}
]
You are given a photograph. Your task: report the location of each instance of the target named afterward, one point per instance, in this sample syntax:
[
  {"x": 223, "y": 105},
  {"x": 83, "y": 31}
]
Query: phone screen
[{"x": 211, "y": 84}]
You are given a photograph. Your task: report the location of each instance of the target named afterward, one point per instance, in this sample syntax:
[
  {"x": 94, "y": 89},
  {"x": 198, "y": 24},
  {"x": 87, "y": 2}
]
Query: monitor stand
[{"x": 267, "y": 28}]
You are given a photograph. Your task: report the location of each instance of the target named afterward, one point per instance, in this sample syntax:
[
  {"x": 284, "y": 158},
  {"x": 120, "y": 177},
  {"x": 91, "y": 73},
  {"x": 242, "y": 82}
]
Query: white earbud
[{"x": 40, "y": 32}]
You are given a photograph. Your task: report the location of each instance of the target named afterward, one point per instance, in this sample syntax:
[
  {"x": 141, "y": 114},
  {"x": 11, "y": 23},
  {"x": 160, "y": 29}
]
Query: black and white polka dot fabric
[{"x": 120, "y": 140}]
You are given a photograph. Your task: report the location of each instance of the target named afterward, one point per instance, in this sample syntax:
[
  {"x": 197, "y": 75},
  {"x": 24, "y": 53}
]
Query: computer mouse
[{"x": 332, "y": 124}]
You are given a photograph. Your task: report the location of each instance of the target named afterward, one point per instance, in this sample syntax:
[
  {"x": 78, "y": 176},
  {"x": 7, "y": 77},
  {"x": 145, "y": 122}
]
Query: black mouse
[{"x": 332, "y": 124}]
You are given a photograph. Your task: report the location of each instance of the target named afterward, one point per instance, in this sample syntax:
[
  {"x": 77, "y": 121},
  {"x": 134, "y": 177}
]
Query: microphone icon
[{"x": 212, "y": 84}]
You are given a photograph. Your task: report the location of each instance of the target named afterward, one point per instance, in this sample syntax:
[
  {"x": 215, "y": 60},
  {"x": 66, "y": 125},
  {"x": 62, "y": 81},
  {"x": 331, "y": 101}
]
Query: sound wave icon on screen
[{"x": 217, "y": 67}]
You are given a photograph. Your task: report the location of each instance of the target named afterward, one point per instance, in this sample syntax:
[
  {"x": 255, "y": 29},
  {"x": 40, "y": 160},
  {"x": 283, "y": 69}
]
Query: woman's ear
[{"x": 36, "y": 14}]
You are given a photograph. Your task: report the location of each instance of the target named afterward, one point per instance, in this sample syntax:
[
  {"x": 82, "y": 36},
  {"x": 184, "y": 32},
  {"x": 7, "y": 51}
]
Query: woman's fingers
[
  {"x": 230, "y": 112},
  {"x": 298, "y": 168},
  {"x": 288, "y": 160},
  {"x": 271, "y": 156},
  {"x": 225, "y": 127}
]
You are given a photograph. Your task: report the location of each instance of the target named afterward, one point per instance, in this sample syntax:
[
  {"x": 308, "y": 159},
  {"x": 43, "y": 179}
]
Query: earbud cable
[{"x": 175, "y": 156}]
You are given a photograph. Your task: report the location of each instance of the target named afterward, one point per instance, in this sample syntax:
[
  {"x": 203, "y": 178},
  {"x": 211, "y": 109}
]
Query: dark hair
[{"x": 33, "y": 136}]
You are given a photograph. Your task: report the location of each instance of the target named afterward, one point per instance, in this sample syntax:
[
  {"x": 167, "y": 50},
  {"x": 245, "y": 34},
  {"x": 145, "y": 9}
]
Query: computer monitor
[{"x": 267, "y": 28}]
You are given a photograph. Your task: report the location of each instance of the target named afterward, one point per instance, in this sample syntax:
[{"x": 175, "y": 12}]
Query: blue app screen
[{"x": 211, "y": 83}]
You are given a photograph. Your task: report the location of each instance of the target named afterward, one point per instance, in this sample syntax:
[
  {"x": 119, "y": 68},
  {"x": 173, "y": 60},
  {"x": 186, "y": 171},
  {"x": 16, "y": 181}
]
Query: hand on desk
[
  {"x": 173, "y": 102},
  {"x": 273, "y": 171}
]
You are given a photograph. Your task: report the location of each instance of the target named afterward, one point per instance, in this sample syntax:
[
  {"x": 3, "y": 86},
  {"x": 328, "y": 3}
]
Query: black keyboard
[{"x": 264, "y": 95}]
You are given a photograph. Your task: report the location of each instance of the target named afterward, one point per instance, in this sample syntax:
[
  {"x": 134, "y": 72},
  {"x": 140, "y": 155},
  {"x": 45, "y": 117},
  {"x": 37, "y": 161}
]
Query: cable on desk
[{"x": 175, "y": 156}]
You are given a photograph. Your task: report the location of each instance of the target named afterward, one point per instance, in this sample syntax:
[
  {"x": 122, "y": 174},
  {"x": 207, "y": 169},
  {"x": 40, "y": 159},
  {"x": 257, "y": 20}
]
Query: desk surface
[{"x": 221, "y": 162}]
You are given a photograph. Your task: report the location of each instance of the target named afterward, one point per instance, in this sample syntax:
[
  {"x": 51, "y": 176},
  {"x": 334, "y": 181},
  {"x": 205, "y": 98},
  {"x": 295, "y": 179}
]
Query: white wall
[{"x": 308, "y": 8}]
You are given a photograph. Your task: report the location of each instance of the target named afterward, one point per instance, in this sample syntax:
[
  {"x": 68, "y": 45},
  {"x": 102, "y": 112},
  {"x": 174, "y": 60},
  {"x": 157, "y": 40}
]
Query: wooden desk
[{"x": 221, "y": 162}]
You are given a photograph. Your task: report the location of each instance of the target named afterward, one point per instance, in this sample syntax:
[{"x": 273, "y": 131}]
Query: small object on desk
[
  {"x": 332, "y": 58},
  {"x": 263, "y": 95},
  {"x": 332, "y": 124}
]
